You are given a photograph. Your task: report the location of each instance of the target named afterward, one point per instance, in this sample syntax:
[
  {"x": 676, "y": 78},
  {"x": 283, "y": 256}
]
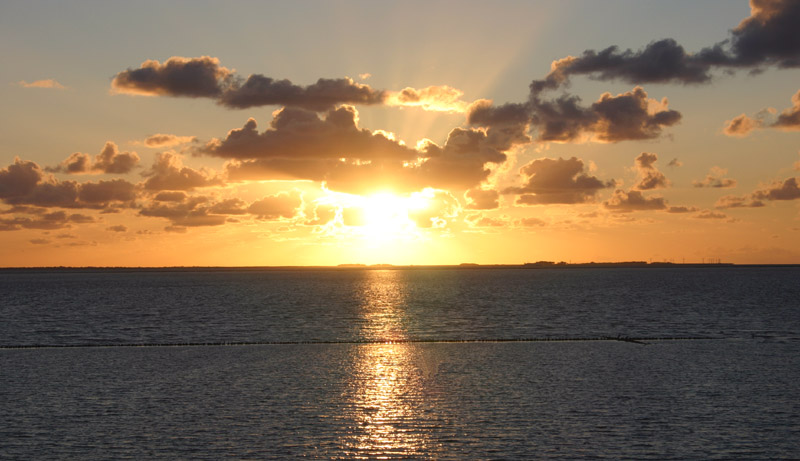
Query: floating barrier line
[{"x": 635, "y": 340}]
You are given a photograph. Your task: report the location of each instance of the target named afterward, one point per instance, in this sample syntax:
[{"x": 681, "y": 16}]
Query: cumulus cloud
[
  {"x": 715, "y": 178},
  {"x": 282, "y": 205},
  {"x": 767, "y": 37},
  {"x": 789, "y": 119},
  {"x": 48, "y": 83},
  {"x": 633, "y": 200},
  {"x": 177, "y": 76},
  {"x": 167, "y": 140},
  {"x": 259, "y": 90},
  {"x": 24, "y": 183},
  {"x": 649, "y": 176},
  {"x": 557, "y": 181},
  {"x": 118, "y": 228},
  {"x": 109, "y": 161},
  {"x": 193, "y": 212},
  {"x": 482, "y": 199},
  {"x": 612, "y": 118},
  {"x": 168, "y": 173},
  {"x": 786, "y": 190},
  {"x": 301, "y": 145},
  {"x": 741, "y": 126}
]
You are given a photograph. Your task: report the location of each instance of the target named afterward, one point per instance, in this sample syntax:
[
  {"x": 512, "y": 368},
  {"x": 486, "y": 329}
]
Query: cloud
[
  {"x": 482, "y": 199},
  {"x": 109, "y": 161},
  {"x": 167, "y": 140},
  {"x": 612, "y": 118},
  {"x": 168, "y": 173},
  {"x": 301, "y": 145},
  {"x": 119, "y": 228},
  {"x": 649, "y": 176},
  {"x": 44, "y": 221},
  {"x": 789, "y": 119},
  {"x": 49, "y": 83},
  {"x": 741, "y": 126},
  {"x": 530, "y": 222},
  {"x": 325, "y": 94},
  {"x": 768, "y": 37},
  {"x": 681, "y": 209},
  {"x": 715, "y": 179},
  {"x": 178, "y": 76},
  {"x": 732, "y": 201},
  {"x": 480, "y": 220},
  {"x": 675, "y": 163},
  {"x": 633, "y": 201},
  {"x": 440, "y": 207},
  {"x": 191, "y": 213},
  {"x": 282, "y": 205},
  {"x": 556, "y": 181},
  {"x": 24, "y": 183},
  {"x": 708, "y": 214},
  {"x": 786, "y": 190},
  {"x": 441, "y": 98}
]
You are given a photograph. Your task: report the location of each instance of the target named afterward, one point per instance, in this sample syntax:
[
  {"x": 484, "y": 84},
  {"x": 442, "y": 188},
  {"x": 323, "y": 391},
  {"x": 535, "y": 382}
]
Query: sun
[{"x": 388, "y": 216}]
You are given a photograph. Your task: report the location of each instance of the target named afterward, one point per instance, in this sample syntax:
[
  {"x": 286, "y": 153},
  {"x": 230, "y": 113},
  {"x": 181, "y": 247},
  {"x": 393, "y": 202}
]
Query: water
[{"x": 316, "y": 390}]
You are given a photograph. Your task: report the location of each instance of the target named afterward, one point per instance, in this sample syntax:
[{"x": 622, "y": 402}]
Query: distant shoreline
[{"x": 352, "y": 267}]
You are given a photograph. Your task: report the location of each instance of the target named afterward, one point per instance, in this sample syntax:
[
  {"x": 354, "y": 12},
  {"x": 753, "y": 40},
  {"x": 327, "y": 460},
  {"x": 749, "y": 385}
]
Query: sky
[{"x": 345, "y": 132}]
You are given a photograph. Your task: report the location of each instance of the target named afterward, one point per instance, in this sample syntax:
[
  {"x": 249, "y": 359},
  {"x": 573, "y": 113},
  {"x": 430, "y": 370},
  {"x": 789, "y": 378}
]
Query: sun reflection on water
[{"x": 389, "y": 392}]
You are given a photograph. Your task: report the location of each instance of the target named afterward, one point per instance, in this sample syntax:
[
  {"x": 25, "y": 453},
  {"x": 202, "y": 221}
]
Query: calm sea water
[{"x": 321, "y": 377}]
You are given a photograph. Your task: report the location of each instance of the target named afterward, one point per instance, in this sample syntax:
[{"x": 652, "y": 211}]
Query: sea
[{"x": 401, "y": 363}]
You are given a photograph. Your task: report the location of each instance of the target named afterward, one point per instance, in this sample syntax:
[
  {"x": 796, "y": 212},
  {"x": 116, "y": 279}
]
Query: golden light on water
[{"x": 389, "y": 380}]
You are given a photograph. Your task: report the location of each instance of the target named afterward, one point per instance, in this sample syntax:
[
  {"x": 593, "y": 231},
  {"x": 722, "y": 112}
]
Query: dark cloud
[
  {"x": 649, "y": 176},
  {"x": 168, "y": 173},
  {"x": 786, "y": 190},
  {"x": 118, "y": 228},
  {"x": 301, "y": 145},
  {"x": 191, "y": 213},
  {"x": 24, "y": 183},
  {"x": 19, "y": 179},
  {"x": 482, "y": 199},
  {"x": 624, "y": 117},
  {"x": 633, "y": 200},
  {"x": 557, "y": 181},
  {"x": 192, "y": 77},
  {"x": 205, "y": 77},
  {"x": 110, "y": 161},
  {"x": 789, "y": 119},
  {"x": 768, "y": 37},
  {"x": 325, "y": 94},
  {"x": 675, "y": 163},
  {"x": 681, "y": 209},
  {"x": 170, "y": 196},
  {"x": 44, "y": 221},
  {"x": 715, "y": 178}
]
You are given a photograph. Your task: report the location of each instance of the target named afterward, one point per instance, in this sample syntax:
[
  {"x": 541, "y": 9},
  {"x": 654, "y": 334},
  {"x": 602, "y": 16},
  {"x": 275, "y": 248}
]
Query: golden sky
[{"x": 421, "y": 133}]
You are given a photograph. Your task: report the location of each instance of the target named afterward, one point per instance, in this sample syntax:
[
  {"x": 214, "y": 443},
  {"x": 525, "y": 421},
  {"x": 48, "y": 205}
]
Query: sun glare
[{"x": 387, "y": 216}]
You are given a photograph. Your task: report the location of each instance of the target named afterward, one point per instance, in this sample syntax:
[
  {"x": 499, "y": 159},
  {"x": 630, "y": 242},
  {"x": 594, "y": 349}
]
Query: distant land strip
[
  {"x": 636, "y": 340},
  {"x": 356, "y": 267}
]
